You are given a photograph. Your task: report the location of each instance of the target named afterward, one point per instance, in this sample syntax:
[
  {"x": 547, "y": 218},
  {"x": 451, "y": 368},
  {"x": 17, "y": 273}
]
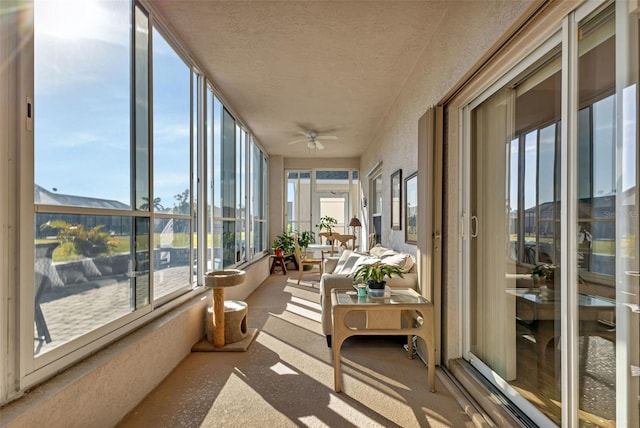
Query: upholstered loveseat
[{"x": 338, "y": 274}]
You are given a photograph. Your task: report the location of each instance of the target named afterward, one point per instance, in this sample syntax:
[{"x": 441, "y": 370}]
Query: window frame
[{"x": 25, "y": 368}]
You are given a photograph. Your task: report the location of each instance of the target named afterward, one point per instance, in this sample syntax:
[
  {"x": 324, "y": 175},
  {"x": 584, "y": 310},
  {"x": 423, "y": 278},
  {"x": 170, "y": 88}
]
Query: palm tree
[{"x": 157, "y": 206}]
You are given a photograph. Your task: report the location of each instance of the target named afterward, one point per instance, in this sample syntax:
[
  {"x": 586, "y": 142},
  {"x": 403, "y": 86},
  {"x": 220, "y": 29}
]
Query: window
[
  {"x": 258, "y": 193},
  {"x": 227, "y": 223},
  {"x": 118, "y": 182},
  {"x": 171, "y": 205},
  {"x": 332, "y": 197},
  {"x": 236, "y": 166},
  {"x": 298, "y": 210},
  {"x": 376, "y": 207},
  {"x": 88, "y": 241},
  {"x": 312, "y": 194}
]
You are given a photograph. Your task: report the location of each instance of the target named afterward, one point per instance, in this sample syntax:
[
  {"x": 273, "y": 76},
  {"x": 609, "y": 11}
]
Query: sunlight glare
[
  {"x": 305, "y": 302},
  {"x": 294, "y": 309},
  {"x": 281, "y": 369},
  {"x": 349, "y": 413},
  {"x": 70, "y": 19}
]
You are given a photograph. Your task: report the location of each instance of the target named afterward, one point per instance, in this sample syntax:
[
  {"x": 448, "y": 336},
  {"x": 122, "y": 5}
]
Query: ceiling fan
[{"x": 312, "y": 139}]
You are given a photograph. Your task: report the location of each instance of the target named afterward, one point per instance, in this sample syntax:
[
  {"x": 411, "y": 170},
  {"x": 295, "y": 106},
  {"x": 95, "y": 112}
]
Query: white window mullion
[
  {"x": 25, "y": 216},
  {"x": 248, "y": 205},
  {"x": 201, "y": 169},
  {"x": 568, "y": 223},
  {"x": 627, "y": 326},
  {"x": 10, "y": 121},
  {"x": 464, "y": 202}
]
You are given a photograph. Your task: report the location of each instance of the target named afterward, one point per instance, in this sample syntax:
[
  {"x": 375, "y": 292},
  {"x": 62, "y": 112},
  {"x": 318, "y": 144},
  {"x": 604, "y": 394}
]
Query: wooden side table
[
  {"x": 278, "y": 261},
  {"x": 401, "y": 301}
]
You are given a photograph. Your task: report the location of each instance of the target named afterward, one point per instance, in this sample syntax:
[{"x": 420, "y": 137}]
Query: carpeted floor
[{"x": 286, "y": 376}]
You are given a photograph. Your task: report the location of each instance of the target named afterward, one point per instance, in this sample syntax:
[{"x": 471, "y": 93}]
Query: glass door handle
[{"x": 474, "y": 226}]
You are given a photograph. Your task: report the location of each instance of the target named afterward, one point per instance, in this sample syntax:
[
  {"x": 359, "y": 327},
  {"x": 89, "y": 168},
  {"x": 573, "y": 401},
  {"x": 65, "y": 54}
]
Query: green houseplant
[
  {"x": 374, "y": 274},
  {"x": 327, "y": 223},
  {"x": 285, "y": 243},
  {"x": 305, "y": 239},
  {"x": 544, "y": 271}
]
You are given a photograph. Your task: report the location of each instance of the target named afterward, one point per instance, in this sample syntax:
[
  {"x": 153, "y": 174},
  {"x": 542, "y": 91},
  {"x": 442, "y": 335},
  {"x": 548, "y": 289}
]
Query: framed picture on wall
[
  {"x": 411, "y": 208},
  {"x": 396, "y": 200}
]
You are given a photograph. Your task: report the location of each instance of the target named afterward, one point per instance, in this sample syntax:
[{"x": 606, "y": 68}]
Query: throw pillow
[
  {"x": 387, "y": 253},
  {"x": 378, "y": 250},
  {"x": 403, "y": 261},
  {"x": 364, "y": 260},
  {"x": 342, "y": 260},
  {"x": 353, "y": 262}
]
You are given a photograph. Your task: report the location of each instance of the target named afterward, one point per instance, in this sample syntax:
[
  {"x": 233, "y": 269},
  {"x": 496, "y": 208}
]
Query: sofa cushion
[
  {"x": 350, "y": 263},
  {"x": 388, "y": 253},
  {"x": 378, "y": 250},
  {"x": 401, "y": 260},
  {"x": 342, "y": 260}
]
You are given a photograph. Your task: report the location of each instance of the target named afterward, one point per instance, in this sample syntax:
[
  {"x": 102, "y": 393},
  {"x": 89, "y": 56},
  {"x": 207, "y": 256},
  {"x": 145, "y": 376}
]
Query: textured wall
[{"x": 464, "y": 35}]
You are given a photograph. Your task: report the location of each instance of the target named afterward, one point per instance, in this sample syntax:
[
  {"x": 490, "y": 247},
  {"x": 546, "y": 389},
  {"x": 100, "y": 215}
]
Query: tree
[
  {"x": 184, "y": 201},
  {"x": 157, "y": 206}
]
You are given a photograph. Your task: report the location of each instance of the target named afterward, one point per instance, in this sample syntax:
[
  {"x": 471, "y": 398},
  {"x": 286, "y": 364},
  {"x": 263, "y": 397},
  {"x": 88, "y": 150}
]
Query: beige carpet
[{"x": 286, "y": 377}]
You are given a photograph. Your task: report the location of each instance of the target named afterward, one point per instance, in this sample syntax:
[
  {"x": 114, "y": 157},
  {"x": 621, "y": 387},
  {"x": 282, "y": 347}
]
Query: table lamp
[{"x": 355, "y": 223}]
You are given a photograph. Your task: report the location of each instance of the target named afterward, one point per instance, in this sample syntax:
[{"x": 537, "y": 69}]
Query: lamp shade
[{"x": 355, "y": 222}]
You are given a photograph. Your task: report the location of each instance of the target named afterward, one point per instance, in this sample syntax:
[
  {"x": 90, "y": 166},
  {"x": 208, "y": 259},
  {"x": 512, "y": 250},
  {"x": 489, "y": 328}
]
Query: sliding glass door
[{"x": 553, "y": 274}]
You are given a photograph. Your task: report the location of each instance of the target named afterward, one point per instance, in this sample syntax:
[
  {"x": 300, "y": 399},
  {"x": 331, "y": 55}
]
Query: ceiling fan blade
[
  {"x": 327, "y": 137},
  {"x": 305, "y": 133},
  {"x": 299, "y": 141},
  {"x": 319, "y": 145}
]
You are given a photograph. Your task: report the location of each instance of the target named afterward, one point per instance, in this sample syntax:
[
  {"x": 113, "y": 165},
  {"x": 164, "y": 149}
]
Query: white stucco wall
[{"x": 464, "y": 36}]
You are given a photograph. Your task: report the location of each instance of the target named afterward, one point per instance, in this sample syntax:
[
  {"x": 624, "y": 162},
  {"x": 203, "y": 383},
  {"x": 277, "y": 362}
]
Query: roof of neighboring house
[{"x": 45, "y": 197}]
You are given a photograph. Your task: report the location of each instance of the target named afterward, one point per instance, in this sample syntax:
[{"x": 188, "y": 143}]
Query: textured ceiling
[{"x": 289, "y": 66}]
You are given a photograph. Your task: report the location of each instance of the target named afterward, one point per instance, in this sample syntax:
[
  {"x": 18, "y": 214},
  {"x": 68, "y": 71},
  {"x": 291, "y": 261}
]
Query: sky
[{"x": 82, "y": 106}]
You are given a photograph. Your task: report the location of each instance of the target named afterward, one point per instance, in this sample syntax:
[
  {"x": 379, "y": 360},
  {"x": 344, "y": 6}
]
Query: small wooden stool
[{"x": 278, "y": 261}]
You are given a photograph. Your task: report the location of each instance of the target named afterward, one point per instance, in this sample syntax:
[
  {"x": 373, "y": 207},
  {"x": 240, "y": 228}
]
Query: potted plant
[
  {"x": 327, "y": 223},
  {"x": 305, "y": 239},
  {"x": 374, "y": 274},
  {"x": 284, "y": 242},
  {"x": 544, "y": 271}
]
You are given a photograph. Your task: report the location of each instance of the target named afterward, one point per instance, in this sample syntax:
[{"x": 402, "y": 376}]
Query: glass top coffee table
[{"x": 402, "y": 303}]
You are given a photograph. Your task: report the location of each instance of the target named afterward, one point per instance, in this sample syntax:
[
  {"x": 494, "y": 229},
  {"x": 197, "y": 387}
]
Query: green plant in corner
[
  {"x": 327, "y": 223},
  {"x": 374, "y": 274},
  {"x": 285, "y": 242},
  {"x": 305, "y": 239}
]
